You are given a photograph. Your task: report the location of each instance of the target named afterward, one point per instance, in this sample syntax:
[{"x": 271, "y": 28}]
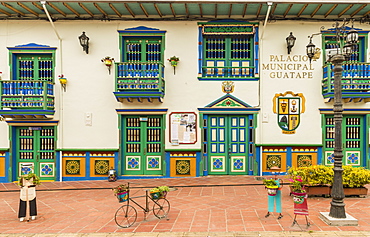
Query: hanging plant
[
  {"x": 174, "y": 60},
  {"x": 63, "y": 82},
  {"x": 108, "y": 61}
]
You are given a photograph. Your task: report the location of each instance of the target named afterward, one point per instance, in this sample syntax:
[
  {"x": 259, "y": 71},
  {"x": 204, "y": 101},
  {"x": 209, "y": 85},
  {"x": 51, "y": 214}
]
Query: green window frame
[
  {"x": 228, "y": 51},
  {"x": 34, "y": 67},
  {"x": 147, "y": 49},
  {"x": 359, "y": 55},
  {"x": 353, "y": 139}
]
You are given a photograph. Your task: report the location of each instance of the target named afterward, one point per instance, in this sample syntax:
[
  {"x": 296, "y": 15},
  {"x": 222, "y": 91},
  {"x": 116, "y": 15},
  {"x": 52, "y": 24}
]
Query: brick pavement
[{"x": 202, "y": 206}]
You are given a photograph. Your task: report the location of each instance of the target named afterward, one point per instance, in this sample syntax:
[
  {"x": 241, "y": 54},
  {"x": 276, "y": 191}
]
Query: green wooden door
[
  {"x": 353, "y": 140},
  {"x": 227, "y": 144},
  {"x": 35, "y": 151},
  {"x": 142, "y": 145}
]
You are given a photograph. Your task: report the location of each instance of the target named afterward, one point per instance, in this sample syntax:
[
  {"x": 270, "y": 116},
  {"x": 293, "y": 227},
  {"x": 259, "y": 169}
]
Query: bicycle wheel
[
  {"x": 161, "y": 207},
  {"x": 125, "y": 216}
]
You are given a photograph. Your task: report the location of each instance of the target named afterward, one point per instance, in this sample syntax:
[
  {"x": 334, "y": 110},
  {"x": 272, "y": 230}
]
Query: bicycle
[{"x": 126, "y": 215}]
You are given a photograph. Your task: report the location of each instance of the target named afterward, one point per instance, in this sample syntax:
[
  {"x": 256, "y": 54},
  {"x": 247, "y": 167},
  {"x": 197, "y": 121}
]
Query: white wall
[{"x": 90, "y": 87}]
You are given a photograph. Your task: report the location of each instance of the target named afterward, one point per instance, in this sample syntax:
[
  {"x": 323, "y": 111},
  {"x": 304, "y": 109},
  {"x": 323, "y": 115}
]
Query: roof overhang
[{"x": 186, "y": 10}]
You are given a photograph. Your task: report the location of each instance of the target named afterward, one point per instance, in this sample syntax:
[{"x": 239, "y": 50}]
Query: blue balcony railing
[
  {"x": 140, "y": 81},
  {"x": 26, "y": 95},
  {"x": 355, "y": 81}
]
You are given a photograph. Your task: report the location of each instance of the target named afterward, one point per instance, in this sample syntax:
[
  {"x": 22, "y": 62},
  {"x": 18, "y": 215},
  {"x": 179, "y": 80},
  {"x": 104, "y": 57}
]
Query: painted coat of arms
[{"x": 289, "y": 106}]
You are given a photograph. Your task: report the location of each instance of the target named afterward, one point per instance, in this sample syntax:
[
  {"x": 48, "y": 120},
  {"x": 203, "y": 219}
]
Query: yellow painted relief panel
[
  {"x": 304, "y": 159},
  {"x": 275, "y": 159},
  {"x": 99, "y": 167}
]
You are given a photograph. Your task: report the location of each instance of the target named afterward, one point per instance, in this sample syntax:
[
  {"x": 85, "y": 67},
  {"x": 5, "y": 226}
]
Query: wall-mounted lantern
[
  {"x": 63, "y": 82},
  {"x": 108, "y": 61},
  {"x": 84, "y": 42},
  {"x": 290, "y": 40},
  {"x": 174, "y": 60}
]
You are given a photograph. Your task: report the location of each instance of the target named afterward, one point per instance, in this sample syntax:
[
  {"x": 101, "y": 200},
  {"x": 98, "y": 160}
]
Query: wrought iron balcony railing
[
  {"x": 26, "y": 95},
  {"x": 355, "y": 81},
  {"x": 140, "y": 81},
  {"x": 228, "y": 73}
]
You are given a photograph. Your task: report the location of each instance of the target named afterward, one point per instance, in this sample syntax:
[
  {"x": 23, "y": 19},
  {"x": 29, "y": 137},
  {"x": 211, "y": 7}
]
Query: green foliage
[
  {"x": 269, "y": 182},
  {"x": 154, "y": 190},
  {"x": 323, "y": 175},
  {"x": 355, "y": 176},
  {"x": 297, "y": 183},
  {"x": 314, "y": 175},
  {"x": 164, "y": 188},
  {"x": 120, "y": 188},
  {"x": 35, "y": 181}
]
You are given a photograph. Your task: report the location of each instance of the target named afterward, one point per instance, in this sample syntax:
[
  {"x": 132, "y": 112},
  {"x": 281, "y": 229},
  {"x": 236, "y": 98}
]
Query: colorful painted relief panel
[
  {"x": 2, "y": 164},
  {"x": 353, "y": 158},
  {"x": 274, "y": 159},
  {"x": 25, "y": 168},
  {"x": 183, "y": 164},
  {"x": 304, "y": 159},
  {"x": 47, "y": 169},
  {"x": 74, "y": 164},
  {"x": 329, "y": 158},
  {"x": 100, "y": 163}
]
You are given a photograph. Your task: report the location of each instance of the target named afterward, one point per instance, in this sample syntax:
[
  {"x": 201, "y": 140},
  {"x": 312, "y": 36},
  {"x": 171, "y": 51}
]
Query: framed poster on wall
[{"x": 183, "y": 128}]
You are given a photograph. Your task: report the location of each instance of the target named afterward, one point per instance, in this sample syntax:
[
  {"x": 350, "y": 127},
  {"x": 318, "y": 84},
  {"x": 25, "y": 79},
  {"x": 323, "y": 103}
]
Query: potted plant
[
  {"x": 354, "y": 180},
  {"x": 155, "y": 193},
  {"x": 174, "y": 60},
  {"x": 31, "y": 177},
  {"x": 297, "y": 188},
  {"x": 271, "y": 186},
  {"x": 121, "y": 192},
  {"x": 108, "y": 61},
  {"x": 163, "y": 191},
  {"x": 318, "y": 179}
]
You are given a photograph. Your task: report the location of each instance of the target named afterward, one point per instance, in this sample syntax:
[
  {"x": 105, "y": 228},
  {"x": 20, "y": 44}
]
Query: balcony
[
  {"x": 228, "y": 73},
  {"x": 26, "y": 99},
  {"x": 140, "y": 81},
  {"x": 355, "y": 82}
]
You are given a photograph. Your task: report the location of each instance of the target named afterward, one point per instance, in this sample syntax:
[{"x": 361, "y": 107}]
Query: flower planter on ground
[
  {"x": 318, "y": 190},
  {"x": 361, "y": 191}
]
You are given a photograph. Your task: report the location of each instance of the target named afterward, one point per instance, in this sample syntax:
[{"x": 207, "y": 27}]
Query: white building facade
[{"x": 177, "y": 89}]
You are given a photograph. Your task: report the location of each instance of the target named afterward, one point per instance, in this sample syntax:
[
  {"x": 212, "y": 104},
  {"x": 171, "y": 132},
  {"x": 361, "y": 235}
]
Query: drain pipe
[
  {"x": 43, "y": 3},
  {"x": 269, "y": 4}
]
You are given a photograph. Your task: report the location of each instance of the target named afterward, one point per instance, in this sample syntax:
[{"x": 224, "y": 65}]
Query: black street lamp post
[{"x": 337, "y": 205}]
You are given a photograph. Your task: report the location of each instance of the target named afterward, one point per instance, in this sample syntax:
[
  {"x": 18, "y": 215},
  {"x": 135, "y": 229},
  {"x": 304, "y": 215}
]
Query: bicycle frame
[{"x": 147, "y": 198}]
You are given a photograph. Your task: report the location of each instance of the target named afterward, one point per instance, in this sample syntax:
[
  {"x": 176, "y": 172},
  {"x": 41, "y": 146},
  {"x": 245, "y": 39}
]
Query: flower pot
[
  {"x": 122, "y": 197},
  {"x": 163, "y": 194},
  {"x": 272, "y": 190},
  {"x": 155, "y": 195},
  {"x": 298, "y": 197}
]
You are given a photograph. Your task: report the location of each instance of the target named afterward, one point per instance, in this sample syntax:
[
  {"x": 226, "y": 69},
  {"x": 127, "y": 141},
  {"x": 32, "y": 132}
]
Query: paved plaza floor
[{"x": 201, "y": 206}]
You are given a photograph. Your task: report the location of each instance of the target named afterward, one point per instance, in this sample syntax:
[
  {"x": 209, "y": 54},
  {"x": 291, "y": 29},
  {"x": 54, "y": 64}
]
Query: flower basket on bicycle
[
  {"x": 121, "y": 192},
  {"x": 159, "y": 192},
  {"x": 122, "y": 197}
]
